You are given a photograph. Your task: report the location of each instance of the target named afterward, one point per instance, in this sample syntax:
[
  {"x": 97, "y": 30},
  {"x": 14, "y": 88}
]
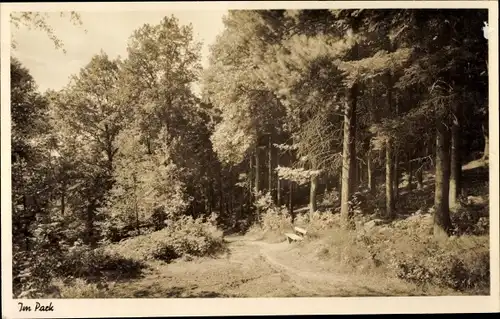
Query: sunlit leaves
[{"x": 298, "y": 175}]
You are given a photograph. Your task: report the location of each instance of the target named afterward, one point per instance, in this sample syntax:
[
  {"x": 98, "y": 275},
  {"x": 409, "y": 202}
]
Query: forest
[{"x": 367, "y": 128}]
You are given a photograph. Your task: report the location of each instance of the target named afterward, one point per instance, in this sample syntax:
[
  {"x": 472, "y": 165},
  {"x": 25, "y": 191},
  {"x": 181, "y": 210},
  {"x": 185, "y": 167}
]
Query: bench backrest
[{"x": 300, "y": 230}]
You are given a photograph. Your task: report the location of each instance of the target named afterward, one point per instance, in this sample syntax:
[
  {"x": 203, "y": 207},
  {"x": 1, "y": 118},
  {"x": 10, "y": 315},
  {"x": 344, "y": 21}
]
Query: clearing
[{"x": 254, "y": 268}]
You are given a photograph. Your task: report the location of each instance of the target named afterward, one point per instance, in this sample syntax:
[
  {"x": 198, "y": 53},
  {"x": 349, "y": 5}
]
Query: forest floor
[
  {"x": 254, "y": 268},
  {"x": 256, "y": 265}
]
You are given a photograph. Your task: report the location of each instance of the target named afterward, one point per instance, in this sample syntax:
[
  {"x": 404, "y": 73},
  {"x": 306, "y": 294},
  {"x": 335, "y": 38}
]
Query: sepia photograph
[{"x": 281, "y": 151}]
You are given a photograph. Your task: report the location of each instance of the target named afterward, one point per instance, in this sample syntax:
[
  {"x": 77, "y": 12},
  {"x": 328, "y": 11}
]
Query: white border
[{"x": 237, "y": 306}]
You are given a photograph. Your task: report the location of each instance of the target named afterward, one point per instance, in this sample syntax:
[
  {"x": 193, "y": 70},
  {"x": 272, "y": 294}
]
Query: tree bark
[
  {"x": 442, "y": 222},
  {"x": 420, "y": 178},
  {"x": 278, "y": 191},
  {"x": 221, "y": 194},
  {"x": 389, "y": 196},
  {"x": 419, "y": 173},
  {"x": 360, "y": 174},
  {"x": 340, "y": 179},
  {"x": 231, "y": 194},
  {"x": 410, "y": 172},
  {"x": 348, "y": 158},
  {"x": 456, "y": 161},
  {"x": 486, "y": 152},
  {"x": 389, "y": 150},
  {"x": 257, "y": 171},
  {"x": 211, "y": 196},
  {"x": 278, "y": 182},
  {"x": 312, "y": 192},
  {"x": 89, "y": 225},
  {"x": 371, "y": 180},
  {"x": 270, "y": 162},
  {"x": 290, "y": 200},
  {"x": 353, "y": 177},
  {"x": 250, "y": 174},
  {"x": 395, "y": 178}
]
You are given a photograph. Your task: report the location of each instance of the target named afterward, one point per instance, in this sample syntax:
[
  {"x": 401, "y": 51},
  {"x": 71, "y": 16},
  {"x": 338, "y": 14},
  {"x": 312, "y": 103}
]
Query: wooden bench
[
  {"x": 300, "y": 231},
  {"x": 292, "y": 237}
]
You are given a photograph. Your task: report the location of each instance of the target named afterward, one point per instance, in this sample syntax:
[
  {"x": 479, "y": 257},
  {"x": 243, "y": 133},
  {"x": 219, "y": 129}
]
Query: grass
[{"x": 404, "y": 248}]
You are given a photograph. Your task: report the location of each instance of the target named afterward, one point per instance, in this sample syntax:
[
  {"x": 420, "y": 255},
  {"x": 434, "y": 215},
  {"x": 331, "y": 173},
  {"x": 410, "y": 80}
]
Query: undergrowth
[
  {"x": 186, "y": 237},
  {"x": 76, "y": 271},
  {"x": 407, "y": 250},
  {"x": 403, "y": 248}
]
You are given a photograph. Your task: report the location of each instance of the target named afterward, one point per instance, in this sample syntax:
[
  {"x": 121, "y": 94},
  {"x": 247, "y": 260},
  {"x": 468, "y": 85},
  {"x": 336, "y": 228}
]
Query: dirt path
[{"x": 251, "y": 269}]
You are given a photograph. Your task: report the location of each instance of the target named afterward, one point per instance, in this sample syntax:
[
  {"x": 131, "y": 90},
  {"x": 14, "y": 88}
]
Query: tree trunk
[
  {"x": 250, "y": 174},
  {"x": 353, "y": 177},
  {"x": 410, "y": 172},
  {"x": 348, "y": 157},
  {"x": 389, "y": 150},
  {"x": 257, "y": 179},
  {"x": 257, "y": 171},
  {"x": 250, "y": 183},
  {"x": 371, "y": 180},
  {"x": 231, "y": 194},
  {"x": 312, "y": 193},
  {"x": 221, "y": 194},
  {"x": 419, "y": 174},
  {"x": 210, "y": 196},
  {"x": 456, "y": 161},
  {"x": 340, "y": 179},
  {"x": 270, "y": 162},
  {"x": 290, "y": 200},
  {"x": 278, "y": 191},
  {"x": 442, "y": 222},
  {"x": 360, "y": 173},
  {"x": 395, "y": 178},
  {"x": 389, "y": 196},
  {"x": 89, "y": 225},
  {"x": 420, "y": 178},
  {"x": 486, "y": 152}
]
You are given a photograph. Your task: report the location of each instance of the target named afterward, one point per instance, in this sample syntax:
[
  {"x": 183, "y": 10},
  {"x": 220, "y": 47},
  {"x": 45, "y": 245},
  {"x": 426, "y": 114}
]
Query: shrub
[
  {"x": 318, "y": 221},
  {"x": 273, "y": 218},
  {"x": 406, "y": 249},
  {"x": 77, "y": 288},
  {"x": 185, "y": 236},
  {"x": 32, "y": 272},
  {"x": 84, "y": 262},
  {"x": 276, "y": 219},
  {"x": 33, "y": 268},
  {"x": 196, "y": 237},
  {"x": 458, "y": 263},
  {"x": 331, "y": 197},
  {"x": 464, "y": 220}
]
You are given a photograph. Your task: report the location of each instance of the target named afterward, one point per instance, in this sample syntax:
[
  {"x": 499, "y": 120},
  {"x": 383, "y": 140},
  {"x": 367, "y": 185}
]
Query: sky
[{"x": 109, "y": 31}]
